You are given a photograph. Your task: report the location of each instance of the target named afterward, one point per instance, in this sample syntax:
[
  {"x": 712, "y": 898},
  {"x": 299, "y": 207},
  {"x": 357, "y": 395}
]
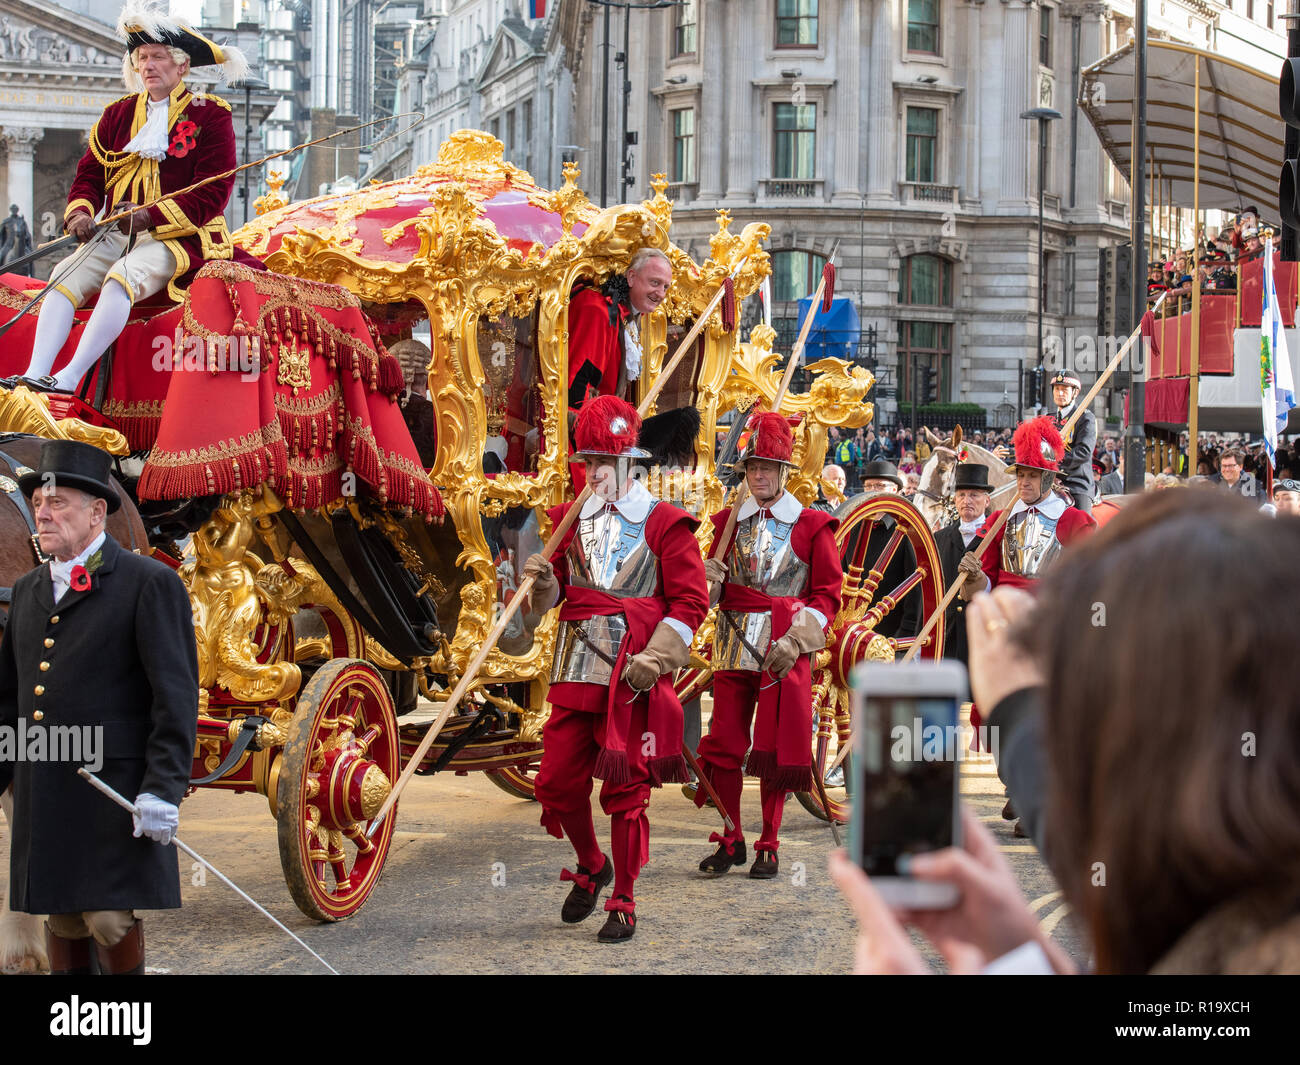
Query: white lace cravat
[
  {"x": 631, "y": 353},
  {"x": 970, "y": 528},
  {"x": 151, "y": 141}
]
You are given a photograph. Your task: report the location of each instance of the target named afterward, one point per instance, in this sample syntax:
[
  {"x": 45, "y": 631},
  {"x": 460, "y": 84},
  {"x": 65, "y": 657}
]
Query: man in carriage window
[
  {"x": 631, "y": 581},
  {"x": 161, "y": 139},
  {"x": 780, "y": 583},
  {"x": 605, "y": 355}
]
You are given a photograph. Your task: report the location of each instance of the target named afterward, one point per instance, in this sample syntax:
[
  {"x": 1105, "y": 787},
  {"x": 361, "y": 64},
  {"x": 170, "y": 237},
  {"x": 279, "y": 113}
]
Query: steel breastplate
[
  {"x": 763, "y": 559},
  {"x": 608, "y": 553},
  {"x": 1029, "y": 543}
]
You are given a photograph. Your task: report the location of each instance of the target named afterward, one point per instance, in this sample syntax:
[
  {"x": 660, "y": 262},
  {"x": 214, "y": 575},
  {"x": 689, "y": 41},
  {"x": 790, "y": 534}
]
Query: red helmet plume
[
  {"x": 607, "y": 425},
  {"x": 770, "y": 437},
  {"x": 1038, "y": 445}
]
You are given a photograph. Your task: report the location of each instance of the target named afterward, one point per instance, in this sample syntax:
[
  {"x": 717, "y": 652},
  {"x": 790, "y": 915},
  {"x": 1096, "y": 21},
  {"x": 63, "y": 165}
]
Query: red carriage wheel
[
  {"x": 335, "y": 771},
  {"x": 853, "y": 638}
]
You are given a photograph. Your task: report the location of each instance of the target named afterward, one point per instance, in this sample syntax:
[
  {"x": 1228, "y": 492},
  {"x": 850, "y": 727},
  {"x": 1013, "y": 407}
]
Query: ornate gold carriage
[{"x": 318, "y": 620}]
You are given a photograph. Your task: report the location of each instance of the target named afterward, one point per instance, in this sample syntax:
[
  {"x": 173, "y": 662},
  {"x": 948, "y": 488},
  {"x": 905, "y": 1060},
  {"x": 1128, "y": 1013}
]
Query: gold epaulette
[{"x": 204, "y": 96}]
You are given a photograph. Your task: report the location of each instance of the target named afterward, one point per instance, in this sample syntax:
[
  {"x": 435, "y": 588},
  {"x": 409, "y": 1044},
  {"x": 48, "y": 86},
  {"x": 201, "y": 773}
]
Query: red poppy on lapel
[
  {"x": 80, "y": 579},
  {"x": 183, "y": 139}
]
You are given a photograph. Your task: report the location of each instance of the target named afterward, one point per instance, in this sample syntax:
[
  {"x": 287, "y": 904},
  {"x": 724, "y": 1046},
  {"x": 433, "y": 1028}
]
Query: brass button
[
  {"x": 39, "y": 689},
  {"x": 37, "y": 715},
  {"x": 49, "y": 642},
  {"x": 44, "y": 667},
  {"x": 54, "y": 620}
]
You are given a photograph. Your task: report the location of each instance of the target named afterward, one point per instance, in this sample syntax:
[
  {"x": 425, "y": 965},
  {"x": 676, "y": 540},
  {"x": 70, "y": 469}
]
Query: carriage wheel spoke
[
  {"x": 886, "y": 603},
  {"x": 858, "y": 550}
]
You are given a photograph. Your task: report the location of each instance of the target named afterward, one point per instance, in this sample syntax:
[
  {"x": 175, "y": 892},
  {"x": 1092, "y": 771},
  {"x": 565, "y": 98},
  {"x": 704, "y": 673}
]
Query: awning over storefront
[{"x": 1241, "y": 132}]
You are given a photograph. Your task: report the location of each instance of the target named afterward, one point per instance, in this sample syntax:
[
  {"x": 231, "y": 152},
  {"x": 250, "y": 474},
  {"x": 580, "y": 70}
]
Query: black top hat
[
  {"x": 880, "y": 470},
  {"x": 972, "y": 475},
  {"x": 73, "y": 464}
]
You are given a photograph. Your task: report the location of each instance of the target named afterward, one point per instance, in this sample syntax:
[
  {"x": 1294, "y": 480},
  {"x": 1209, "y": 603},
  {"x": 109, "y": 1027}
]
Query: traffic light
[
  {"x": 930, "y": 385},
  {"x": 1288, "y": 191},
  {"x": 1031, "y": 387}
]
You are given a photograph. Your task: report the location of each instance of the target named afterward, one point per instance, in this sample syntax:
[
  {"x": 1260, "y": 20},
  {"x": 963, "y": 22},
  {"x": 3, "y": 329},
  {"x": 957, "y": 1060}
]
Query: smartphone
[{"x": 905, "y": 774}]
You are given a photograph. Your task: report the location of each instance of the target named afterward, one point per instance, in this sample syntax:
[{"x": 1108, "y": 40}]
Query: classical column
[
  {"x": 710, "y": 126},
  {"x": 1090, "y": 192},
  {"x": 846, "y": 99},
  {"x": 743, "y": 137},
  {"x": 21, "y": 144},
  {"x": 882, "y": 161},
  {"x": 1020, "y": 64}
]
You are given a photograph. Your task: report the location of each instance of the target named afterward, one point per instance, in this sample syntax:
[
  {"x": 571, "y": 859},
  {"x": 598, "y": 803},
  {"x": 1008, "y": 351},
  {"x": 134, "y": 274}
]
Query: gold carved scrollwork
[
  {"x": 227, "y": 606},
  {"x": 25, "y": 411}
]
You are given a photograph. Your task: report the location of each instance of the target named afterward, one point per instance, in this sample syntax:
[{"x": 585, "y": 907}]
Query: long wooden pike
[
  {"x": 526, "y": 585},
  {"x": 953, "y": 588}
]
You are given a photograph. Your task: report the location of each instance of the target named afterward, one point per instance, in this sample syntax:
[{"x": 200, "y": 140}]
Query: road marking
[
  {"x": 1043, "y": 900},
  {"x": 1048, "y": 924},
  {"x": 1018, "y": 848}
]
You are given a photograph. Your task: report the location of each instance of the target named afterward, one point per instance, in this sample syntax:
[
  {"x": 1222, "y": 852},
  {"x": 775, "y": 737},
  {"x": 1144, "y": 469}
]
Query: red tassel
[
  {"x": 828, "y": 293},
  {"x": 391, "y": 380},
  {"x": 728, "y": 305}
]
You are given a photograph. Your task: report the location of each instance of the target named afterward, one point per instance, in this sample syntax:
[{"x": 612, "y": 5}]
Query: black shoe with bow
[
  {"x": 621, "y": 923},
  {"x": 723, "y": 859},
  {"x": 764, "y": 867},
  {"x": 587, "y": 887}
]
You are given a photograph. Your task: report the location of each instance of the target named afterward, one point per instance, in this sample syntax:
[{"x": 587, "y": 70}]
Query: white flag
[{"x": 1276, "y": 386}]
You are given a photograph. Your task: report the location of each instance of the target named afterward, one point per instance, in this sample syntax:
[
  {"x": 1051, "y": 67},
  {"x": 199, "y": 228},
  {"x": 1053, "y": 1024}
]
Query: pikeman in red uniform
[
  {"x": 631, "y": 580},
  {"x": 1041, "y": 522},
  {"x": 781, "y": 580}
]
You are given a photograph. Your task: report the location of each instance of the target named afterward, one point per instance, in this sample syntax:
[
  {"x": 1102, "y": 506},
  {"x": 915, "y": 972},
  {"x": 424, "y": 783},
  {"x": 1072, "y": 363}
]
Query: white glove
[{"x": 155, "y": 818}]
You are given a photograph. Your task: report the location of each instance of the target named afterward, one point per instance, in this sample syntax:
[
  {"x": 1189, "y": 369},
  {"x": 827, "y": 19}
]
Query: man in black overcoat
[
  {"x": 906, "y": 618},
  {"x": 104, "y": 638},
  {"x": 971, "y": 492}
]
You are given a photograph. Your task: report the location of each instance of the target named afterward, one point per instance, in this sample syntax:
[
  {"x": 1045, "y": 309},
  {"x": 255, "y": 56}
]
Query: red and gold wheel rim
[{"x": 337, "y": 769}]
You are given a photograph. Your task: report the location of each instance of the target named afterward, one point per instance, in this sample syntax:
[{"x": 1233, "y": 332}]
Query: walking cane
[{"x": 99, "y": 785}]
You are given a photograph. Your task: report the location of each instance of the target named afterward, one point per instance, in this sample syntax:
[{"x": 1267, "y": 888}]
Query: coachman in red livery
[
  {"x": 160, "y": 139},
  {"x": 631, "y": 581},
  {"x": 780, "y": 583}
]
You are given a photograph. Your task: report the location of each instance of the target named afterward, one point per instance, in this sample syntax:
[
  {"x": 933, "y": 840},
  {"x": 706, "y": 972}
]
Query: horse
[
  {"x": 22, "y": 937},
  {"x": 934, "y": 499}
]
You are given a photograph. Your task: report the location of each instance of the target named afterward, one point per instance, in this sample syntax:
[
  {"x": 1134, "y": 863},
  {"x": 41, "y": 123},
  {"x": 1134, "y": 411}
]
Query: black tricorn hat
[
  {"x": 75, "y": 465},
  {"x": 972, "y": 475},
  {"x": 880, "y": 470}
]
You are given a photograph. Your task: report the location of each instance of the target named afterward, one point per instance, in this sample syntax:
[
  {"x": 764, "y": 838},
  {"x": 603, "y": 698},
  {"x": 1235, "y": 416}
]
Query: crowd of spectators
[{"x": 1215, "y": 257}]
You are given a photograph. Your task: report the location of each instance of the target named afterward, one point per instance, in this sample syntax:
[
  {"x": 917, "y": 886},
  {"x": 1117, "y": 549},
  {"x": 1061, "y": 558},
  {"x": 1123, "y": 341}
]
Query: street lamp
[
  {"x": 249, "y": 84},
  {"x": 627, "y": 84},
  {"x": 1044, "y": 115}
]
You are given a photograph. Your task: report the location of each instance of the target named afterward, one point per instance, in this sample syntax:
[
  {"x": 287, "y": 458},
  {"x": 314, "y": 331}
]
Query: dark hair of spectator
[
  {"x": 1232, "y": 453},
  {"x": 1146, "y": 761}
]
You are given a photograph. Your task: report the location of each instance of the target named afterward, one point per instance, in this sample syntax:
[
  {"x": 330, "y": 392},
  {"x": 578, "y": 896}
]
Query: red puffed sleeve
[
  {"x": 213, "y": 153},
  {"x": 670, "y": 532},
  {"x": 991, "y": 563},
  {"x": 1074, "y": 524},
  {"x": 814, "y": 542}
]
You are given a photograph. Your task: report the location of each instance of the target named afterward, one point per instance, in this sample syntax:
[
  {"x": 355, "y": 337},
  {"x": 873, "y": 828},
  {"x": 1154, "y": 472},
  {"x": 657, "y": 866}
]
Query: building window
[
  {"x": 922, "y": 143},
  {"x": 510, "y": 131},
  {"x": 684, "y": 28},
  {"x": 494, "y": 127},
  {"x": 796, "y": 23},
  {"x": 794, "y": 141},
  {"x": 1268, "y": 16},
  {"x": 924, "y": 346},
  {"x": 684, "y": 145},
  {"x": 923, "y": 26},
  {"x": 925, "y": 280},
  {"x": 795, "y": 274},
  {"x": 1045, "y": 35}
]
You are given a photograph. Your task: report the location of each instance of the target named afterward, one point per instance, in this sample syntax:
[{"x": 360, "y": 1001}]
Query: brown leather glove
[
  {"x": 138, "y": 221},
  {"x": 715, "y": 572},
  {"x": 969, "y": 567},
  {"x": 805, "y": 635},
  {"x": 80, "y": 225},
  {"x": 664, "y": 653},
  {"x": 545, "y": 588}
]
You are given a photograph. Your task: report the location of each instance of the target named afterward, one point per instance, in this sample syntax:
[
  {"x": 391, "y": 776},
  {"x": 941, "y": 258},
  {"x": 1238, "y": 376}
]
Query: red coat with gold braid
[{"x": 201, "y": 139}]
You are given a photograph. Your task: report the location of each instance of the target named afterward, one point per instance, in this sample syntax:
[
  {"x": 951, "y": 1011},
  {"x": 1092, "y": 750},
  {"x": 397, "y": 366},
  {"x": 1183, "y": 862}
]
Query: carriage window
[
  {"x": 507, "y": 352},
  {"x": 512, "y": 536},
  {"x": 682, "y": 389}
]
